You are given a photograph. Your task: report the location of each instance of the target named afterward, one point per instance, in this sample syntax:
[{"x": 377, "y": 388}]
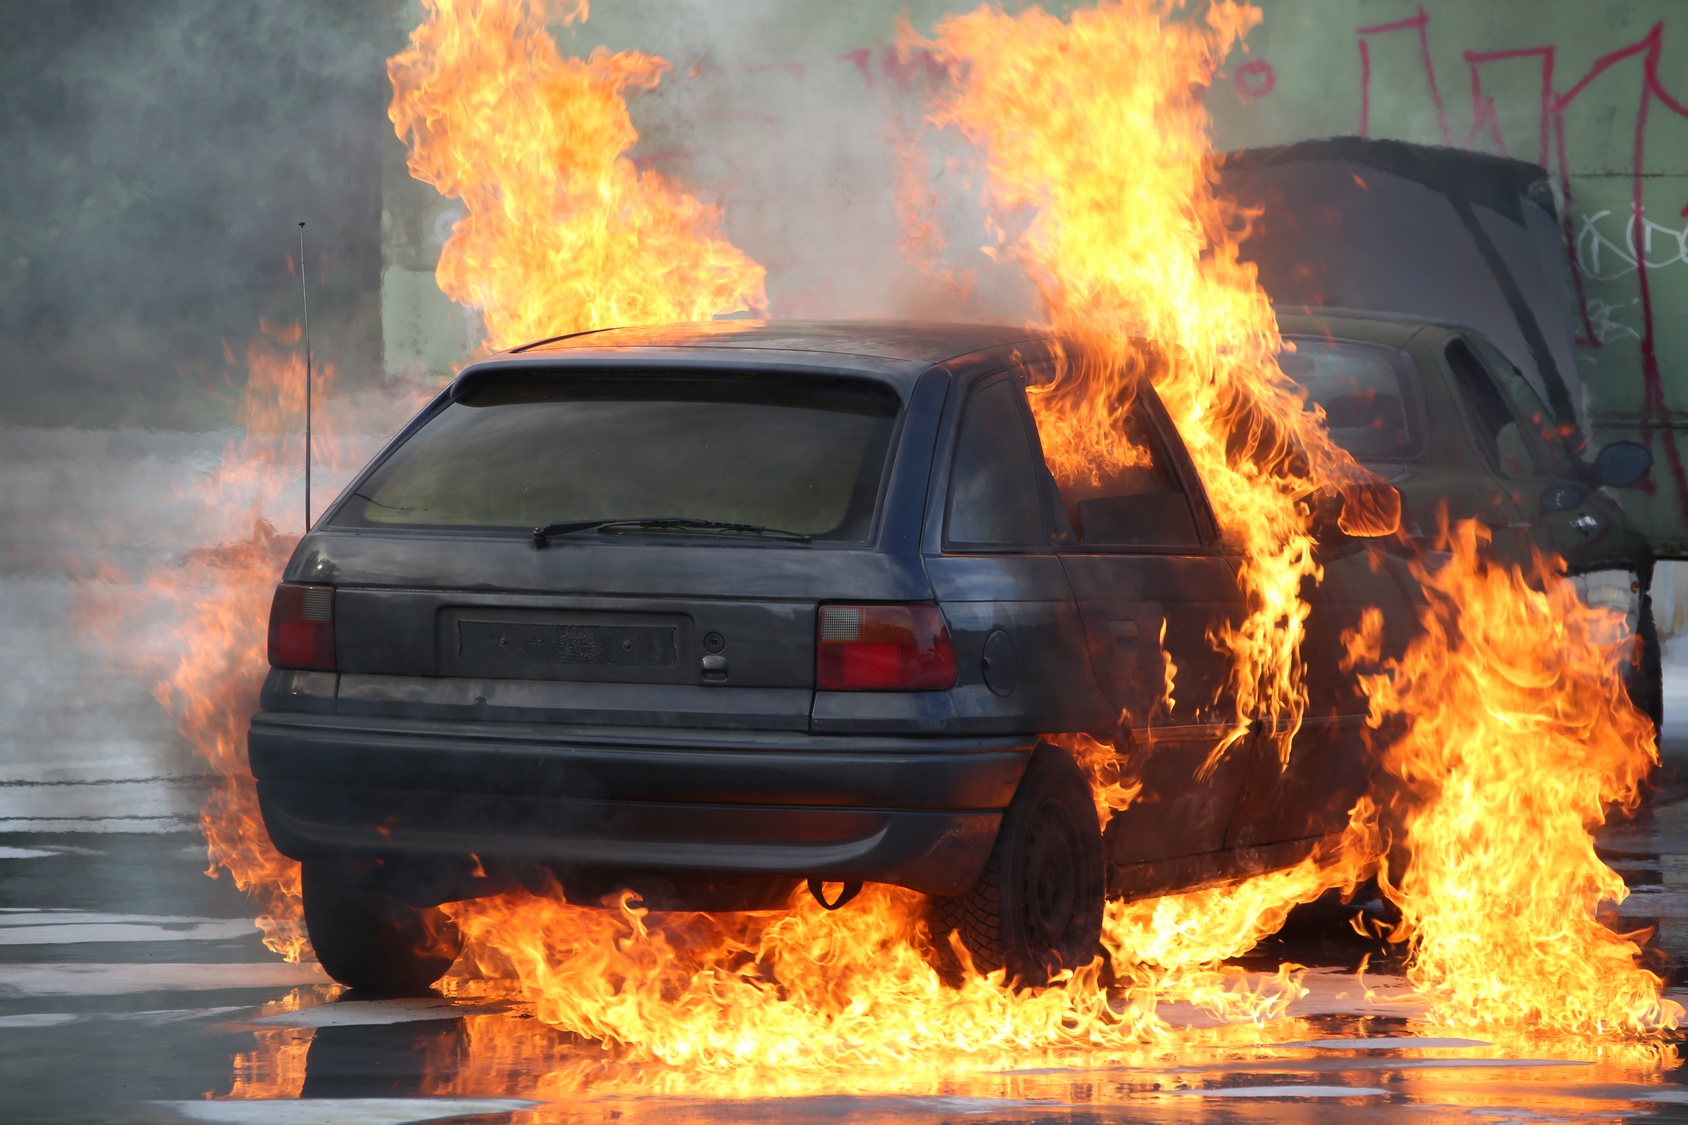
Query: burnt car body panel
[{"x": 464, "y": 735}]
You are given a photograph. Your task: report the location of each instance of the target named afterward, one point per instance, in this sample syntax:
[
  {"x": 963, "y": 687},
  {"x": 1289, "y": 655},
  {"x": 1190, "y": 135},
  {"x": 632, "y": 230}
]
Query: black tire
[
  {"x": 367, "y": 939},
  {"x": 1647, "y": 676},
  {"x": 1038, "y": 906}
]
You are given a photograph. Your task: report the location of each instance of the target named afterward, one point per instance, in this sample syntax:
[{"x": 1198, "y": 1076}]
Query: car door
[
  {"x": 1019, "y": 644},
  {"x": 1376, "y": 407},
  {"x": 1154, "y": 590},
  {"x": 1331, "y": 761}
]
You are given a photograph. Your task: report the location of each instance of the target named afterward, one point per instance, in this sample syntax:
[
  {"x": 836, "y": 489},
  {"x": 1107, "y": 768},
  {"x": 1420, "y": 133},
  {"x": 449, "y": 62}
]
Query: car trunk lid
[{"x": 625, "y": 631}]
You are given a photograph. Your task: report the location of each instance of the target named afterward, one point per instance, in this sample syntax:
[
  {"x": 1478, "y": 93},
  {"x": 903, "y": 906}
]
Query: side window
[
  {"x": 994, "y": 498},
  {"x": 1369, "y": 395},
  {"x": 1537, "y": 419},
  {"x": 1497, "y": 427},
  {"x": 1139, "y": 503}
]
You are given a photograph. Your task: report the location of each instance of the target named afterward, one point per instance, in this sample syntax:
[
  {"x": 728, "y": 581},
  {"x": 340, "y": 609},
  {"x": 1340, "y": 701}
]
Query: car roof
[
  {"x": 914, "y": 341},
  {"x": 1389, "y": 329},
  {"x": 887, "y": 347},
  {"x": 877, "y": 339},
  {"x": 898, "y": 352}
]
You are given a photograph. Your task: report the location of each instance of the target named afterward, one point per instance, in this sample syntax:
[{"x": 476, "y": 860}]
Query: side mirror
[
  {"x": 1623, "y": 463},
  {"x": 1366, "y": 509},
  {"x": 1370, "y": 509}
]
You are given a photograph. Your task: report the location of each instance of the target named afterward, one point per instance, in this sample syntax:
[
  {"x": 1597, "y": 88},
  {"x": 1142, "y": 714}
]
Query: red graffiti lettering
[{"x": 1254, "y": 79}]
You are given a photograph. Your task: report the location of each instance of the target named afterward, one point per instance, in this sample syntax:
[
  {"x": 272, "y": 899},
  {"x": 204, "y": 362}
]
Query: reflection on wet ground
[{"x": 113, "y": 1011}]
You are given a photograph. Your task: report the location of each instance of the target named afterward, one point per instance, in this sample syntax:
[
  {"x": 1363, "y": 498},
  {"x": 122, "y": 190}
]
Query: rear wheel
[
  {"x": 1038, "y": 906},
  {"x": 366, "y": 938}
]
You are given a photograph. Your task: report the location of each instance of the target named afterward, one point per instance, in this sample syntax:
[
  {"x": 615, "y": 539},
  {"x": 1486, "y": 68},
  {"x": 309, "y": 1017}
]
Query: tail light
[
  {"x": 883, "y": 648},
  {"x": 302, "y": 627}
]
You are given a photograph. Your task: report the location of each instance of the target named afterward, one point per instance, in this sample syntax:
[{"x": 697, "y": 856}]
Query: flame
[
  {"x": 215, "y": 601},
  {"x": 563, "y": 233},
  {"x": 1134, "y": 256},
  {"x": 1520, "y": 737},
  {"x": 223, "y": 596},
  {"x": 1194, "y": 930},
  {"x": 534, "y": 143},
  {"x": 1096, "y": 122}
]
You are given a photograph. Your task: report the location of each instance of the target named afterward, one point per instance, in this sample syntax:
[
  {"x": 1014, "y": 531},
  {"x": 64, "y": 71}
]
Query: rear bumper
[{"x": 916, "y": 812}]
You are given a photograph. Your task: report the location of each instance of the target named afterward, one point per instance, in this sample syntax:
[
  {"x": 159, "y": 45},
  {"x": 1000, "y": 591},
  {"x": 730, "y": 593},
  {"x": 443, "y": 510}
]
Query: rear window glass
[
  {"x": 526, "y": 449},
  {"x": 1369, "y": 399}
]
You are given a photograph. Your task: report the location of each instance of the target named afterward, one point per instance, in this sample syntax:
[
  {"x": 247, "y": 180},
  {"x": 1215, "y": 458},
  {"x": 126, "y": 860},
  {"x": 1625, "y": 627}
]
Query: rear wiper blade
[{"x": 543, "y": 535}]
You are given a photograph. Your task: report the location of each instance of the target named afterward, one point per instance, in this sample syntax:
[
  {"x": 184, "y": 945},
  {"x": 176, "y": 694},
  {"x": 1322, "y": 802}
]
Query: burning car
[{"x": 711, "y": 611}]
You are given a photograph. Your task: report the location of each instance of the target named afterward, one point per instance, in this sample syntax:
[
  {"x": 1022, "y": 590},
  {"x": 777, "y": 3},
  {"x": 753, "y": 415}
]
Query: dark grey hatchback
[{"x": 709, "y": 611}]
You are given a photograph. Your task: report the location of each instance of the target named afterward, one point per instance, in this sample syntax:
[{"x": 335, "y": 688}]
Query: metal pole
[{"x": 305, "y": 301}]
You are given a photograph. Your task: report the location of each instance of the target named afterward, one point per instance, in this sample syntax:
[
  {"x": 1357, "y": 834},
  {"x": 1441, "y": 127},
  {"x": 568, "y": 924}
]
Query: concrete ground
[{"x": 133, "y": 988}]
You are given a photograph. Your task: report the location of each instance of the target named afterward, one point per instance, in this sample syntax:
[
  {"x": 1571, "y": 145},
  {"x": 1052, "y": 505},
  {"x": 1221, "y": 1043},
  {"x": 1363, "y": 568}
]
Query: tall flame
[
  {"x": 765, "y": 992},
  {"x": 1520, "y": 738},
  {"x": 563, "y": 233},
  {"x": 217, "y": 600},
  {"x": 1097, "y": 122},
  {"x": 1519, "y": 733}
]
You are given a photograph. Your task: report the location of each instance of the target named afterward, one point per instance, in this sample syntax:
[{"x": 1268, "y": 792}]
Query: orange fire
[
  {"x": 802, "y": 988},
  {"x": 1129, "y": 245},
  {"x": 1096, "y": 122},
  {"x": 1520, "y": 738},
  {"x": 563, "y": 233},
  {"x": 217, "y": 600}
]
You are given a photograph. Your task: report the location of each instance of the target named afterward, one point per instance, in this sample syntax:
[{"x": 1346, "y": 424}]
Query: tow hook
[{"x": 850, "y": 891}]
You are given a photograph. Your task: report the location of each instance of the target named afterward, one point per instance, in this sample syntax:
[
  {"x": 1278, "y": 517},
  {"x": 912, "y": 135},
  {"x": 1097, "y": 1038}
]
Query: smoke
[
  {"x": 811, "y": 135},
  {"x": 157, "y": 159}
]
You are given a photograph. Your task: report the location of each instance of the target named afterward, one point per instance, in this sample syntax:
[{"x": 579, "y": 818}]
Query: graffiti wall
[{"x": 807, "y": 127}]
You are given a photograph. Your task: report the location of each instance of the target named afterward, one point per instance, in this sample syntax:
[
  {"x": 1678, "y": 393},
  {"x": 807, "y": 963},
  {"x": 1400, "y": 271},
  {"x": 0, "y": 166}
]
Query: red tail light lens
[
  {"x": 883, "y": 648},
  {"x": 302, "y": 627}
]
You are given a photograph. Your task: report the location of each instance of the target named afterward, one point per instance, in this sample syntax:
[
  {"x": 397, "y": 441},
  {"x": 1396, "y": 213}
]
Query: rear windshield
[
  {"x": 525, "y": 449},
  {"x": 1367, "y": 392}
]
